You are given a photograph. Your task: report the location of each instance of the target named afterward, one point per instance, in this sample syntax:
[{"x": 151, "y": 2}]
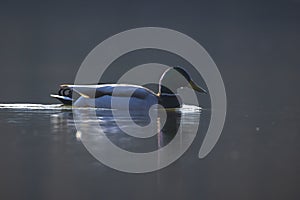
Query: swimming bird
[{"x": 138, "y": 97}]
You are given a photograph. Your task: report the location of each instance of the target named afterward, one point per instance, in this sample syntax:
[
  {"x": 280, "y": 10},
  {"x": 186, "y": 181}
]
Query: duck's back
[{"x": 117, "y": 96}]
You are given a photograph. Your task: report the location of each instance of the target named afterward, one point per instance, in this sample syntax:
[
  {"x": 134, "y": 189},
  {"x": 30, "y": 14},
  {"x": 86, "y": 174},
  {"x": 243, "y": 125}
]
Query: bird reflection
[{"x": 176, "y": 121}]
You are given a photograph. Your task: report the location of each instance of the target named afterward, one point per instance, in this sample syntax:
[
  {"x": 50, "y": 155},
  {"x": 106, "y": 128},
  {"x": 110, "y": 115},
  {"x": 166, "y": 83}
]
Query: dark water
[{"x": 43, "y": 158}]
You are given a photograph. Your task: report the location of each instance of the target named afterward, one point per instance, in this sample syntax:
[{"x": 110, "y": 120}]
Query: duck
[{"x": 139, "y": 97}]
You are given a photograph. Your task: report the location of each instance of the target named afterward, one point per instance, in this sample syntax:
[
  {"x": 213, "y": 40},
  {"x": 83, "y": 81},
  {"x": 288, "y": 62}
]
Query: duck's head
[{"x": 175, "y": 78}]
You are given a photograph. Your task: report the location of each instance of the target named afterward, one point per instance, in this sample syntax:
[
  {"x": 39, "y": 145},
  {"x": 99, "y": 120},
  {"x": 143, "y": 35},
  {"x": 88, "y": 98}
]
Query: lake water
[{"x": 43, "y": 157}]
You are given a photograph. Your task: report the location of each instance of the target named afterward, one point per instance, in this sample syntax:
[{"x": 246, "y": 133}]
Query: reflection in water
[
  {"x": 114, "y": 140},
  {"x": 186, "y": 119},
  {"x": 43, "y": 152},
  {"x": 183, "y": 120}
]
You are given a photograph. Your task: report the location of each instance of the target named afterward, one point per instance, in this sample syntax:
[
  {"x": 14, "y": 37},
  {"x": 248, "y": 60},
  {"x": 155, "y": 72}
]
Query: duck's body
[
  {"x": 115, "y": 96},
  {"x": 119, "y": 96}
]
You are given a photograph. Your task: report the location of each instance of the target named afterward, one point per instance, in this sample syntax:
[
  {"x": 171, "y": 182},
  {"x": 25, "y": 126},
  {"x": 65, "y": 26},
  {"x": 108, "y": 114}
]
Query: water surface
[{"x": 43, "y": 157}]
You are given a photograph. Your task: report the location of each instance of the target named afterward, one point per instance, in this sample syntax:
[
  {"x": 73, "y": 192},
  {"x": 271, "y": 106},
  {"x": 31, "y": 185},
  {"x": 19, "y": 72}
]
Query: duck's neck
[
  {"x": 170, "y": 100},
  {"x": 166, "y": 91},
  {"x": 161, "y": 88}
]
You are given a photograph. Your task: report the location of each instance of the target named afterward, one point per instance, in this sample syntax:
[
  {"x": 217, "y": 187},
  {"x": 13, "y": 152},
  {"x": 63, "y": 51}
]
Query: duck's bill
[{"x": 197, "y": 87}]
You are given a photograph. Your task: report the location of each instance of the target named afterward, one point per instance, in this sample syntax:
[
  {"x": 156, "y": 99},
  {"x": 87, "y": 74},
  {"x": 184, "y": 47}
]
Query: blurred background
[{"x": 255, "y": 45}]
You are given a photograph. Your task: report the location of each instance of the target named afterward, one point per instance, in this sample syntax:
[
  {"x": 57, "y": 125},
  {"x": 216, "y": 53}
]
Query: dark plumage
[{"x": 138, "y": 97}]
